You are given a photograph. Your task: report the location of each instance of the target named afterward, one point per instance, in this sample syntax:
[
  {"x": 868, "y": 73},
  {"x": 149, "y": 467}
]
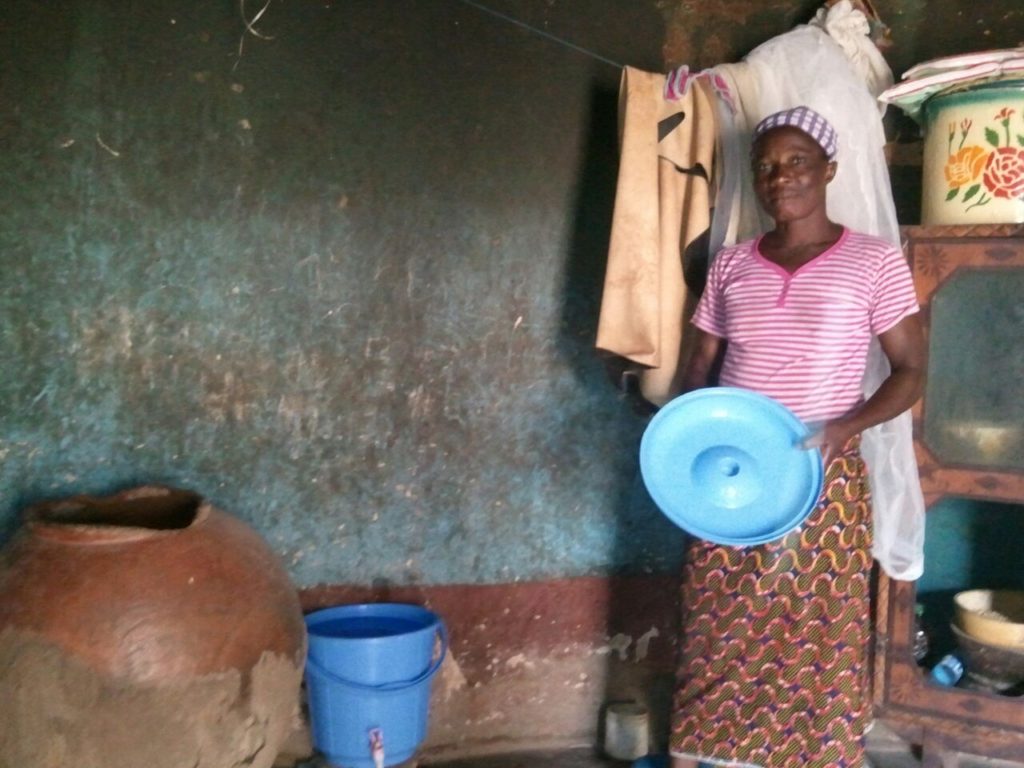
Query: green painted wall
[
  {"x": 344, "y": 284},
  {"x": 344, "y": 281}
]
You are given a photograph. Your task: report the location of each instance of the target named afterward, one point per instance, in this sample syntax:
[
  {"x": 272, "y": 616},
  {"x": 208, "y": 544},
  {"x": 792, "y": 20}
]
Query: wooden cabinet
[{"x": 967, "y": 427}]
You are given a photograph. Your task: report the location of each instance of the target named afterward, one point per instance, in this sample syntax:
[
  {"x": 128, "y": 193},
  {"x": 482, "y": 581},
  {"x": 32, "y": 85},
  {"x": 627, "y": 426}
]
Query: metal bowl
[
  {"x": 992, "y": 616},
  {"x": 995, "y": 667}
]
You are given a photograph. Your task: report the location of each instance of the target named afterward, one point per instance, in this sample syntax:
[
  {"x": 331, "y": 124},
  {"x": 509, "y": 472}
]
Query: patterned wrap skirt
[{"x": 773, "y": 666}]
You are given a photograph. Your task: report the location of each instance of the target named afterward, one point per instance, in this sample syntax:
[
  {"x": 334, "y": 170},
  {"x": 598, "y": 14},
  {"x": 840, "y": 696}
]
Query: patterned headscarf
[{"x": 808, "y": 121}]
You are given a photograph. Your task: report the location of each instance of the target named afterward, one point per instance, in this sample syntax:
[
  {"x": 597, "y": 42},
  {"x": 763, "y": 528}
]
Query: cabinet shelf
[{"x": 972, "y": 311}]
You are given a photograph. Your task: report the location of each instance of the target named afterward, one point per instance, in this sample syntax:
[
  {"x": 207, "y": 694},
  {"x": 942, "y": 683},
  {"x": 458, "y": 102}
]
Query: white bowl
[{"x": 994, "y": 616}]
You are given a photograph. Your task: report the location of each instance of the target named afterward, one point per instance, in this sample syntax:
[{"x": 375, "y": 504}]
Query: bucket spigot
[{"x": 377, "y": 747}]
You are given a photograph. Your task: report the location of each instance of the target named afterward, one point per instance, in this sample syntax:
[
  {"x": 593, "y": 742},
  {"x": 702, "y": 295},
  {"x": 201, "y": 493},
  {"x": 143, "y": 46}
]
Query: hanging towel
[{"x": 660, "y": 226}]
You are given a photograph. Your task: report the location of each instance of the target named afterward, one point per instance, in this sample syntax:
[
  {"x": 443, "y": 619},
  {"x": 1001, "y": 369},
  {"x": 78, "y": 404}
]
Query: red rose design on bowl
[{"x": 1004, "y": 172}]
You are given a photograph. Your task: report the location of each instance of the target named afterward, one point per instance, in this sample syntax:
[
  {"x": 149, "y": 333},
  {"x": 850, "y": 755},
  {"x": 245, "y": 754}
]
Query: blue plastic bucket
[{"x": 368, "y": 672}]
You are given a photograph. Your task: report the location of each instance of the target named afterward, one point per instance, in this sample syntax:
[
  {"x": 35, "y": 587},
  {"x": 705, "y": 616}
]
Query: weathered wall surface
[
  {"x": 344, "y": 284},
  {"x": 344, "y": 281},
  {"x": 705, "y": 34}
]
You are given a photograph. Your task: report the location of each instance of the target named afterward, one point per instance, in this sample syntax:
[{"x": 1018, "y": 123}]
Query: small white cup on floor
[{"x": 626, "y": 730}]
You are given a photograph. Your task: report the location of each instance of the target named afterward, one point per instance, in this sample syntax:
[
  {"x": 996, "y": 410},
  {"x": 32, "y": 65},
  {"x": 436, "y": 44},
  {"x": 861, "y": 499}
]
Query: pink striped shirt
[{"x": 803, "y": 338}]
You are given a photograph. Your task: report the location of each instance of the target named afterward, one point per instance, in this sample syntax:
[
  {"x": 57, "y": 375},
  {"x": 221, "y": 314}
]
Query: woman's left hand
[{"x": 831, "y": 437}]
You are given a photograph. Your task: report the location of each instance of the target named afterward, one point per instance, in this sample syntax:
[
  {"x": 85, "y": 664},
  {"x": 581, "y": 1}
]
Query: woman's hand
[
  {"x": 831, "y": 438},
  {"x": 705, "y": 351}
]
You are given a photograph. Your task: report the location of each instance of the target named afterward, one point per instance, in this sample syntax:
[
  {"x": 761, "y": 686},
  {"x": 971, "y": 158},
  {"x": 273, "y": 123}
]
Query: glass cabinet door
[{"x": 974, "y": 395}]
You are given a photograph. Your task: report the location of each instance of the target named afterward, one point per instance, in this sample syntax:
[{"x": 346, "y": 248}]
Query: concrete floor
[
  {"x": 585, "y": 758},
  {"x": 885, "y": 750}
]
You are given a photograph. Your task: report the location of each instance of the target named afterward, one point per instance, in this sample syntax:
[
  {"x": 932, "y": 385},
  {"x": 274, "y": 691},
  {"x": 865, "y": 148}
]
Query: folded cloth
[{"x": 659, "y": 223}]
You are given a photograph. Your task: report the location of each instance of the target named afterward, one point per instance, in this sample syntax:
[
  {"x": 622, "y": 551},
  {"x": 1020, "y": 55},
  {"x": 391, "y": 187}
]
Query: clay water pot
[{"x": 127, "y": 611}]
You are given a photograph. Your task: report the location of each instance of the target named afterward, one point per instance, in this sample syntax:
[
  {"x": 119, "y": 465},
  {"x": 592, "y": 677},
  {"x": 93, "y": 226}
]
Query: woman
[{"x": 773, "y": 656}]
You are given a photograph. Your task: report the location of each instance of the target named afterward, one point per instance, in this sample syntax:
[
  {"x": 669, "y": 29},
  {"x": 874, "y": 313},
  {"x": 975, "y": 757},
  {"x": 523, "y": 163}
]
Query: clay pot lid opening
[{"x": 137, "y": 513}]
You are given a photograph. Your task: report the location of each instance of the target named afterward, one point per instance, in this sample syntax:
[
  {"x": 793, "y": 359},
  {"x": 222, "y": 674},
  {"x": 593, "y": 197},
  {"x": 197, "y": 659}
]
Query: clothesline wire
[{"x": 542, "y": 33}]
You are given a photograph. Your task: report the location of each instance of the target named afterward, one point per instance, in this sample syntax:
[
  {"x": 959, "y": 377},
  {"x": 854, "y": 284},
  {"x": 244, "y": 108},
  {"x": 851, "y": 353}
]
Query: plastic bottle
[
  {"x": 948, "y": 671},
  {"x": 920, "y": 636},
  {"x": 652, "y": 761}
]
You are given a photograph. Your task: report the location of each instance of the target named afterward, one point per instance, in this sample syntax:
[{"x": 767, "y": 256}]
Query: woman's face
[{"x": 791, "y": 172}]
